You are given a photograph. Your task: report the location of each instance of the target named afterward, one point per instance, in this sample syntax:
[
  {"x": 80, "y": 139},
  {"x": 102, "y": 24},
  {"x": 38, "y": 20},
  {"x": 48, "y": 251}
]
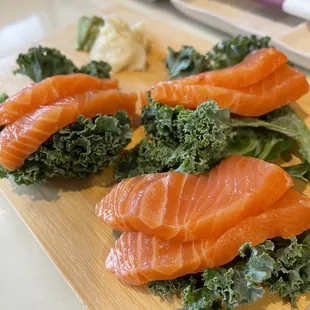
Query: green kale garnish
[
  {"x": 85, "y": 147},
  {"x": 3, "y": 97},
  {"x": 276, "y": 266},
  {"x": 193, "y": 141},
  {"x": 171, "y": 287},
  {"x": 233, "y": 50},
  {"x": 180, "y": 139},
  {"x": 187, "y": 61},
  {"x": 99, "y": 69},
  {"x": 291, "y": 274},
  {"x": 40, "y": 63},
  {"x": 232, "y": 286},
  {"x": 87, "y": 31}
]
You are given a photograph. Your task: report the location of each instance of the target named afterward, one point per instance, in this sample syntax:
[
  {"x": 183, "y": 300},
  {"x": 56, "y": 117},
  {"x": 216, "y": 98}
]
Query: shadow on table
[{"x": 52, "y": 190}]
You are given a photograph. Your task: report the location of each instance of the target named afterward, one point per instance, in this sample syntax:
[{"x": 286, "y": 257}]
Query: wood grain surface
[{"x": 60, "y": 213}]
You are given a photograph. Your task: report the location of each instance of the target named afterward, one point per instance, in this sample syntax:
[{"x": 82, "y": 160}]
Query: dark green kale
[
  {"x": 232, "y": 51},
  {"x": 276, "y": 266},
  {"x": 171, "y": 287},
  {"x": 3, "y": 97},
  {"x": 187, "y": 61},
  {"x": 236, "y": 285},
  {"x": 78, "y": 150},
  {"x": 99, "y": 69},
  {"x": 179, "y": 139},
  {"x": 40, "y": 63},
  {"x": 193, "y": 141},
  {"x": 291, "y": 274},
  {"x": 88, "y": 29}
]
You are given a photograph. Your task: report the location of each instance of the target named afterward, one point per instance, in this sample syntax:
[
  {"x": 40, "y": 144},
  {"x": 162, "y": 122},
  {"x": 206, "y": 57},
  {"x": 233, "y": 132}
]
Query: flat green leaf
[
  {"x": 263, "y": 144},
  {"x": 300, "y": 171},
  {"x": 285, "y": 121}
]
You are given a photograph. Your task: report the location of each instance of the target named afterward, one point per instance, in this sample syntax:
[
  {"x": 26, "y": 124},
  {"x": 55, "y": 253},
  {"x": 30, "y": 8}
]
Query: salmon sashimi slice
[
  {"x": 282, "y": 87},
  {"x": 48, "y": 91},
  {"x": 23, "y": 137},
  {"x": 150, "y": 258},
  {"x": 190, "y": 207},
  {"x": 154, "y": 259},
  {"x": 254, "y": 68},
  {"x": 288, "y": 217}
]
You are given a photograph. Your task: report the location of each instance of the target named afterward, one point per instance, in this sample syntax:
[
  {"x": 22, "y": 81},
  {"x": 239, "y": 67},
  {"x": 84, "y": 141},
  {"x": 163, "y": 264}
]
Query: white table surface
[{"x": 28, "y": 278}]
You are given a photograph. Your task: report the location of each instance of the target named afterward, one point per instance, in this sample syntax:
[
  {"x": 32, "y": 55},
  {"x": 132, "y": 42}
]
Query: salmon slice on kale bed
[
  {"x": 190, "y": 207},
  {"x": 23, "y": 137},
  {"x": 282, "y": 87},
  {"x": 48, "y": 91},
  {"x": 138, "y": 258},
  {"x": 254, "y": 68}
]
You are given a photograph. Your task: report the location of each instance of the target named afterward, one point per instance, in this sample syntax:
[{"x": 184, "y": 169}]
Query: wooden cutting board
[{"x": 61, "y": 213}]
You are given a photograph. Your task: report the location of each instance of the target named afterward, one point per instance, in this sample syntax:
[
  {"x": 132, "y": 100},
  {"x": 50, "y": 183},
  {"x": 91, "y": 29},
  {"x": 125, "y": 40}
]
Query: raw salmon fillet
[
  {"x": 190, "y": 207},
  {"x": 282, "y": 87},
  {"x": 138, "y": 258},
  {"x": 23, "y": 137},
  {"x": 48, "y": 91},
  {"x": 254, "y": 68}
]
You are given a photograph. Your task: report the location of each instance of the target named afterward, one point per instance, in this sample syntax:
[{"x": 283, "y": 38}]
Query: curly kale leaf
[
  {"x": 179, "y": 139},
  {"x": 291, "y": 275},
  {"x": 87, "y": 31},
  {"x": 171, "y": 287},
  {"x": 233, "y": 285},
  {"x": 43, "y": 62},
  {"x": 276, "y": 266},
  {"x": 3, "y": 97},
  {"x": 185, "y": 62},
  {"x": 232, "y": 51},
  {"x": 193, "y": 141},
  {"x": 40, "y": 63},
  {"x": 85, "y": 147},
  {"x": 99, "y": 69}
]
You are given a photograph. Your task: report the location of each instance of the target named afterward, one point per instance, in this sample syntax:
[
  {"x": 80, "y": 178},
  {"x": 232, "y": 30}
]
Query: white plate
[{"x": 289, "y": 34}]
